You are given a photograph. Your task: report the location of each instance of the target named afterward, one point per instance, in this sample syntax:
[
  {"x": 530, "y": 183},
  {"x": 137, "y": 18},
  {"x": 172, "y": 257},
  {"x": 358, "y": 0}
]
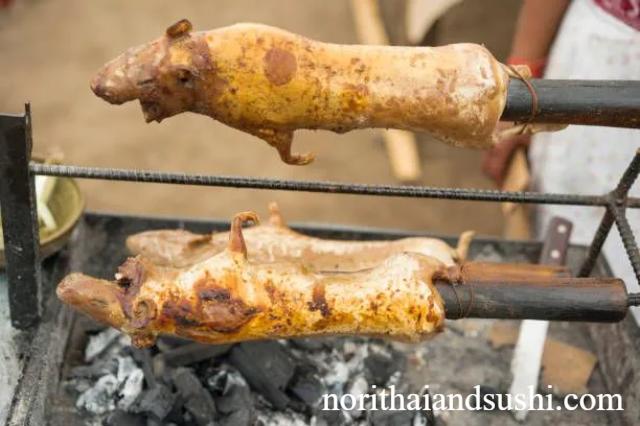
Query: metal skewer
[{"x": 588, "y": 102}]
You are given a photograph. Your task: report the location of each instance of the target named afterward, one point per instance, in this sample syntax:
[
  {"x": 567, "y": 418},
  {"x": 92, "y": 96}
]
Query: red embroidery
[{"x": 627, "y": 11}]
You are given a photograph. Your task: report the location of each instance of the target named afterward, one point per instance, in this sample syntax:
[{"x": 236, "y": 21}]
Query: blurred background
[{"x": 50, "y": 50}]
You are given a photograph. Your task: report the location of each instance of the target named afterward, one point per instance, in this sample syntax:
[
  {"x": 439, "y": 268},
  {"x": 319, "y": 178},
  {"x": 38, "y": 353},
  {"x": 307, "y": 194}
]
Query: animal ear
[
  {"x": 179, "y": 29},
  {"x": 185, "y": 75}
]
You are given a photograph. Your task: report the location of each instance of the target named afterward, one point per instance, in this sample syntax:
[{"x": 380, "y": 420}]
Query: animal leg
[
  {"x": 275, "y": 217},
  {"x": 461, "y": 252},
  {"x": 237, "y": 246},
  {"x": 282, "y": 141}
]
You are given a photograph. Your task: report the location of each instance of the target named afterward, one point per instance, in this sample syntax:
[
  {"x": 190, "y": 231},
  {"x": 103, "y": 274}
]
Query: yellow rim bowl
[{"x": 66, "y": 205}]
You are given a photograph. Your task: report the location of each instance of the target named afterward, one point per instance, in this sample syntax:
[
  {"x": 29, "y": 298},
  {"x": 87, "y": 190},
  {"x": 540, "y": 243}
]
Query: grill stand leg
[{"x": 19, "y": 220}]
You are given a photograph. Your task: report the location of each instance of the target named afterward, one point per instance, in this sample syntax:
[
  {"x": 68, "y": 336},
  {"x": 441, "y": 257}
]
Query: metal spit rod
[{"x": 587, "y": 102}]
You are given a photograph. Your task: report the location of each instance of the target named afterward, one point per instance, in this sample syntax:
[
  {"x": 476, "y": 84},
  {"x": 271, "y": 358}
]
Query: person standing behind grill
[{"x": 581, "y": 40}]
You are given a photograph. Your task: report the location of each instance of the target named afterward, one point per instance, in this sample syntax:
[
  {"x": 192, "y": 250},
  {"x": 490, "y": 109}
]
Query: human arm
[{"x": 536, "y": 29}]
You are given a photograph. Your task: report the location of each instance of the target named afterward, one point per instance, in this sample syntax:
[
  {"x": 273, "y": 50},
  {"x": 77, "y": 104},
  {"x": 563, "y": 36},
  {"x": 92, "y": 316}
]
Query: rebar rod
[
  {"x": 629, "y": 176},
  {"x": 596, "y": 244},
  {"x": 324, "y": 187},
  {"x": 628, "y": 239}
]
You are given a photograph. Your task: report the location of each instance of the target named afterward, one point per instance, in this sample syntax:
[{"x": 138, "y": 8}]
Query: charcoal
[
  {"x": 122, "y": 418},
  {"x": 393, "y": 418},
  {"x": 234, "y": 395},
  {"x": 100, "y": 343},
  {"x": 94, "y": 370},
  {"x": 244, "y": 417},
  {"x": 357, "y": 387},
  {"x": 381, "y": 363},
  {"x": 100, "y": 398},
  {"x": 189, "y": 354},
  {"x": 126, "y": 366},
  {"x": 267, "y": 367},
  {"x": 131, "y": 389},
  {"x": 143, "y": 358},
  {"x": 77, "y": 386},
  {"x": 355, "y": 359},
  {"x": 90, "y": 326},
  {"x": 308, "y": 344},
  {"x": 217, "y": 382},
  {"x": 308, "y": 387},
  {"x": 198, "y": 401},
  {"x": 281, "y": 418},
  {"x": 156, "y": 402},
  {"x": 332, "y": 418},
  {"x": 234, "y": 402},
  {"x": 171, "y": 342},
  {"x": 337, "y": 378}
]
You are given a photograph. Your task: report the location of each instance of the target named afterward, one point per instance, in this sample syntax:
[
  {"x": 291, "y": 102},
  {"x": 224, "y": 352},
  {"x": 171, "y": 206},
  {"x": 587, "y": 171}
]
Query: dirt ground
[{"x": 51, "y": 49}]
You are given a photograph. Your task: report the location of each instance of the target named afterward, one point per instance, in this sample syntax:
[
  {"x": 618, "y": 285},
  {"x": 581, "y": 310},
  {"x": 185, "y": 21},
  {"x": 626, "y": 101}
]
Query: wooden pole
[{"x": 401, "y": 144}]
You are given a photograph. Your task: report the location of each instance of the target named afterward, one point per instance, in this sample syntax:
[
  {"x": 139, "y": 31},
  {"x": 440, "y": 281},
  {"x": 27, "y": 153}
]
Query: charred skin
[
  {"x": 228, "y": 298},
  {"x": 270, "y": 82},
  {"x": 275, "y": 242}
]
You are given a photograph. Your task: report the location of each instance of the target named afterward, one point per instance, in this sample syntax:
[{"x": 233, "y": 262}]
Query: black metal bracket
[{"x": 20, "y": 220}]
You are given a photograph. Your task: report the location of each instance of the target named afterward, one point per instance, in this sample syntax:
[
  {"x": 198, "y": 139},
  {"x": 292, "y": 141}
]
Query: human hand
[{"x": 495, "y": 162}]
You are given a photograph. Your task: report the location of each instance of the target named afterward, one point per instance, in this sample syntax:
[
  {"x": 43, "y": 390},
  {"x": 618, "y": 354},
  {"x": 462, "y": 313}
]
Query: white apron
[{"x": 591, "y": 44}]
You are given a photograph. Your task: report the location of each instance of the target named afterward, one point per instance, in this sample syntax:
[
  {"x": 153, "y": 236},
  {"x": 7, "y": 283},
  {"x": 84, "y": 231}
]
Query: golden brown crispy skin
[
  {"x": 275, "y": 242},
  {"x": 270, "y": 82},
  {"x": 229, "y": 298}
]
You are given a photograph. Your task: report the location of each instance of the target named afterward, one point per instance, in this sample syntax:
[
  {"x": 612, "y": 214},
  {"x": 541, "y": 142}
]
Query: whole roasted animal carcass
[
  {"x": 229, "y": 297},
  {"x": 273, "y": 241},
  {"x": 269, "y": 82}
]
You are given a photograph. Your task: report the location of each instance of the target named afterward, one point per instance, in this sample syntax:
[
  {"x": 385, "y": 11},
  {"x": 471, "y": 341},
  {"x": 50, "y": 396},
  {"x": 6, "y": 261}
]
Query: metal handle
[{"x": 588, "y": 102}]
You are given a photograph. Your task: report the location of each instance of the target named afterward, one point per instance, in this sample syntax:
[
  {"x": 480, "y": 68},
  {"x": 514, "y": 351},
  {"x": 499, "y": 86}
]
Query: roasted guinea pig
[
  {"x": 269, "y": 83},
  {"x": 229, "y": 298},
  {"x": 275, "y": 242}
]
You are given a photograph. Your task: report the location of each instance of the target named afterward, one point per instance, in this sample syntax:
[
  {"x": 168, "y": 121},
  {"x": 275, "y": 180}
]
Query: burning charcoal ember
[
  {"x": 131, "y": 389},
  {"x": 267, "y": 367},
  {"x": 122, "y": 418},
  {"x": 307, "y": 387},
  {"x": 197, "y": 400},
  {"x": 144, "y": 360},
  {"x": 94, "y": 370},
  {"x": 100, "y": 398},
  {"x": 100, "y": 343},
  {"x": 357, "y": 388},
  {"x": 381, "y": 363},
  {"x": 156, "y": 402},
  {"x": 190, "y": 354}
]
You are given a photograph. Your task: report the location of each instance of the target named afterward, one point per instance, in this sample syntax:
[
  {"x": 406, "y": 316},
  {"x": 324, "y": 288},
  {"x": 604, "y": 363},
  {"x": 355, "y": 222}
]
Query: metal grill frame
[{"x": 21, "y": 236}]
